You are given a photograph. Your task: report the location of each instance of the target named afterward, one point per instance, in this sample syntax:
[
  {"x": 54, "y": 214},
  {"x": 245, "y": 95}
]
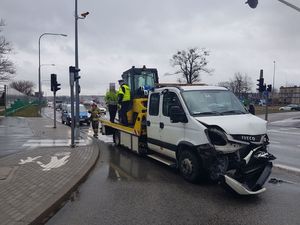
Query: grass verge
[{"x": 30, "y": 111}]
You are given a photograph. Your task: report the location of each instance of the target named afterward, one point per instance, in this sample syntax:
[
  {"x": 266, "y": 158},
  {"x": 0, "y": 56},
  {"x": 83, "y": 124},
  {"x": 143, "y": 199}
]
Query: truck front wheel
[{"x": 189, "y": 166}]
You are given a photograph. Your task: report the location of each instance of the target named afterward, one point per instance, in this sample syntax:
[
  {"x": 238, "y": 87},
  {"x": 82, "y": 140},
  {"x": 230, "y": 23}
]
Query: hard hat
[
  {"x": 120, "y": 81},
  {"x": 93, "y": 103}
]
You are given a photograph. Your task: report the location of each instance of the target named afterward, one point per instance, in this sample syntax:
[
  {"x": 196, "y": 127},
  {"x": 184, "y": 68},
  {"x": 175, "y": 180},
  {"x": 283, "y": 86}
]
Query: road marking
[
  {"x": 275, "y": 142},
  {"x": 282, "y": 132},
  {"x": 289, "y": 168},
  {"x": 28, "y": 160},
  {"x": 56, "y": 161},
  {"x": 53, "y": 142}
]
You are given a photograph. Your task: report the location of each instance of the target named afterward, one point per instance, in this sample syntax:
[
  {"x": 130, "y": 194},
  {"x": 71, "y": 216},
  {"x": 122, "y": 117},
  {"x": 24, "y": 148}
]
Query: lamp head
[{"x": 84, "y": 14}]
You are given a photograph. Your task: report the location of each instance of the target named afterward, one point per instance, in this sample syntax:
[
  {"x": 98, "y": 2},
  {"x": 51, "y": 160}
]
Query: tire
[
  {"x": 190, "y": 166},
  {"x": 68, "y": 122},
  {"x": 117, "y": 138}
]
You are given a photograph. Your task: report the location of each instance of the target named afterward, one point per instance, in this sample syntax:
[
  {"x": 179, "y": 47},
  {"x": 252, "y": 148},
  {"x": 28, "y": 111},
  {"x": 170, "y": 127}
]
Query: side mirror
[{"x": 177, "y": 114}]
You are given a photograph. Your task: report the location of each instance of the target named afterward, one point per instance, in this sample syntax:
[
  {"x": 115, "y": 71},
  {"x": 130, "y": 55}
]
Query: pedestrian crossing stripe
[{"x": 53, "y": 142}]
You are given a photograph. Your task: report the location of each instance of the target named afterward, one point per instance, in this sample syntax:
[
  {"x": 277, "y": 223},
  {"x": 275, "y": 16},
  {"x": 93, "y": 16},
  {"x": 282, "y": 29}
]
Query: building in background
[{"x": 289, "y": 95}]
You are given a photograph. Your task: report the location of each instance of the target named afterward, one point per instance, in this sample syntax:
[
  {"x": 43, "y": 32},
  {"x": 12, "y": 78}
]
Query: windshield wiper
[
  {"x": 234, "y": 112},
  {"x": 206, "y": 113}
]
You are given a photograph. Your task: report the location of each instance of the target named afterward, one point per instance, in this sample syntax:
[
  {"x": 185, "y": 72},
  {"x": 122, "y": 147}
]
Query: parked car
[
  {"x": 84, "y": 116},
  {"x": 290, "y": 107},
  {"x": 50, "y": 104},
  {"x": 262, "y": 102}
]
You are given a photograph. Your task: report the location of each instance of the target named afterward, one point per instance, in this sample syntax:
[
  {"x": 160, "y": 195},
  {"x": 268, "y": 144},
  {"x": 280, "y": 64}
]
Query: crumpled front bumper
[{"x": 257, "y": 188}]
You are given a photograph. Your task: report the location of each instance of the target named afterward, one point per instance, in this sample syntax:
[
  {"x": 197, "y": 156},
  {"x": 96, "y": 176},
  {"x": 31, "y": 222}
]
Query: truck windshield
[{"x": 212, "y": 103}]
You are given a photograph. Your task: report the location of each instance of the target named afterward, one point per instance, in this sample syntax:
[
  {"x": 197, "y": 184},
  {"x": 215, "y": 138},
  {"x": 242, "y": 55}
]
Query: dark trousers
[
  {"x": 95, "y": 126},
  {"x": 112, "y": 109},
  {"x": 123, "y": 112}
]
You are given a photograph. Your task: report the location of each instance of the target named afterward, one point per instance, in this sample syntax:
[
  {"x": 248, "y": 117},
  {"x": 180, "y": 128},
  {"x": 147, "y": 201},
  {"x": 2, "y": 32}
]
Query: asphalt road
[{"x": 127, "y": 189}]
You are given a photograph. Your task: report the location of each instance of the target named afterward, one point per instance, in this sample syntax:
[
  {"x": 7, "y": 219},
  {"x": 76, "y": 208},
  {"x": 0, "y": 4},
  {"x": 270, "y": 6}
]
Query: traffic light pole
[
  {"x": 54, "y": 87},
  {"x": 266, "y": 94},
  {"x": 72, "y": 77},
  {"x": 54, "y": 108}
]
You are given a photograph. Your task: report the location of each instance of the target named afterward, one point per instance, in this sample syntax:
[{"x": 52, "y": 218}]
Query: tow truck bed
[{"x": 118, "y": 126}]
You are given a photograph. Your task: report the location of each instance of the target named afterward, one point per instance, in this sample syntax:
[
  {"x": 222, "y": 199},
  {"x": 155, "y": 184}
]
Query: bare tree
[
  {"x": 225, "y": 84},
  {"x": 7, "y": 68},
  {"x": 23, "y": 86},
  {"x": 191, "y": 63},
  {"x": 240, "y": 84}
]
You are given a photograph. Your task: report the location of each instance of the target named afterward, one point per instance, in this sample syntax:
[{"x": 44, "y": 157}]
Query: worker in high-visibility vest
[
  {"x": 124, "y": 101},
  {"x": 111, "y": 100}
]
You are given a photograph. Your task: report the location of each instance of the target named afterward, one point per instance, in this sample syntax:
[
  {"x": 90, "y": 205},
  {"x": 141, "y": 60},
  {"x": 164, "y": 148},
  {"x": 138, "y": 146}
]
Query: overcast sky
[{"x": 118, "y": 34}]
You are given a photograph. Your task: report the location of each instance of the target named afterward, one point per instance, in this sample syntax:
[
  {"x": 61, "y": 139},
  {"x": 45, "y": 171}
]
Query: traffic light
[
  {"x": 269, "y": 87},
  {"x": 53, "y": 81},
  {"x": 54, "y": 85},
  {"x": 252, "y": 3},
  {"x": 57, "y": 87},
  {"x": 76, "y": 75},
  {"x": 261, "y": 86}
]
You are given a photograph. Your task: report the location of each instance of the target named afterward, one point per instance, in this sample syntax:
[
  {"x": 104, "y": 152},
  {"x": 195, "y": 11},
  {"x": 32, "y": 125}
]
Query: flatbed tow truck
[{"x": 203, "y": 131}]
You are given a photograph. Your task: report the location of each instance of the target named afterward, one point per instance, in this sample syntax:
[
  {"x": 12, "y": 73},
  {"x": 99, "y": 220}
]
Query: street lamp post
[
  {"x": 273, "y": 77},
  {"x": 77, "y": 86},
  {"x": 39, "y": 70}
]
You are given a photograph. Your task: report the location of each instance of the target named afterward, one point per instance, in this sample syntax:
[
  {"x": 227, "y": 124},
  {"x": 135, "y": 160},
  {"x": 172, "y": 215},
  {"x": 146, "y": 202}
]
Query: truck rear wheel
[
  {"x": 189, "y": 166},
  {"x": 117, "y": 138}
]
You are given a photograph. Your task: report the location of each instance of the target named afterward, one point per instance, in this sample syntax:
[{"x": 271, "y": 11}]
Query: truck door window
[
  {"x": 154, "y": 104},
  {"x": 170, "y": 99}
]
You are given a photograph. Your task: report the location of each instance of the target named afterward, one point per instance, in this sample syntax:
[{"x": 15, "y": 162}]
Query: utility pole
[
  {"x": 77, "y": 86},
  {"x": 273, "y": 77}
]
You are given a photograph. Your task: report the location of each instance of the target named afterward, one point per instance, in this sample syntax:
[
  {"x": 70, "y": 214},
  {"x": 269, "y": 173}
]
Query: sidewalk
[{"x": 35, "y": 181}]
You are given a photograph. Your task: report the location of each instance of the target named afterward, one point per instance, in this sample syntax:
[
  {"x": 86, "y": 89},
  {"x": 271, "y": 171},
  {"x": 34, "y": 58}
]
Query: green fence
[{"x": 18, "y": 105}]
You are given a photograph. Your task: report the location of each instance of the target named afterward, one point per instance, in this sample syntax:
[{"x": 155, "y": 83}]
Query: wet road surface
[{"x": 127, "y": 189}]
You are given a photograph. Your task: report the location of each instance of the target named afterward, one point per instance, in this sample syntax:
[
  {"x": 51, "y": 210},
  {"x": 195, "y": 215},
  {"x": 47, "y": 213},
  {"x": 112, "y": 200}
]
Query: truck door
[
  {"x": 153, "y": 120},
  {"x": 170, "y": 133}
]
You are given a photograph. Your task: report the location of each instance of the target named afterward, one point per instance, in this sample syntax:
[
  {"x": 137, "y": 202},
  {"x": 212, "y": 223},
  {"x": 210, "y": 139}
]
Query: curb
[{"x": 64, "y": 194}]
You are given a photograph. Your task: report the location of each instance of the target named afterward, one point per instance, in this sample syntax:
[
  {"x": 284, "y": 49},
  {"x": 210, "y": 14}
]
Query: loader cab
[{"x": 140, "y": 80}]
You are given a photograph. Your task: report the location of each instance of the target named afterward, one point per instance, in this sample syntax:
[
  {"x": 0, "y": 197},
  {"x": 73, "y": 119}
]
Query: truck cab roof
[{"x": 190, "y": 88}]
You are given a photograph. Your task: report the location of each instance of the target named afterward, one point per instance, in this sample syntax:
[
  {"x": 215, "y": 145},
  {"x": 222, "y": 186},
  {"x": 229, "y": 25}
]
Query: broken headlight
[{"x": 219, "y": 140}]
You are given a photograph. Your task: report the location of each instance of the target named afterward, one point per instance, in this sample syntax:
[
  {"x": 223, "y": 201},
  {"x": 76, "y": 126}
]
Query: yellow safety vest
[{"x": 126, "y": 95}]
